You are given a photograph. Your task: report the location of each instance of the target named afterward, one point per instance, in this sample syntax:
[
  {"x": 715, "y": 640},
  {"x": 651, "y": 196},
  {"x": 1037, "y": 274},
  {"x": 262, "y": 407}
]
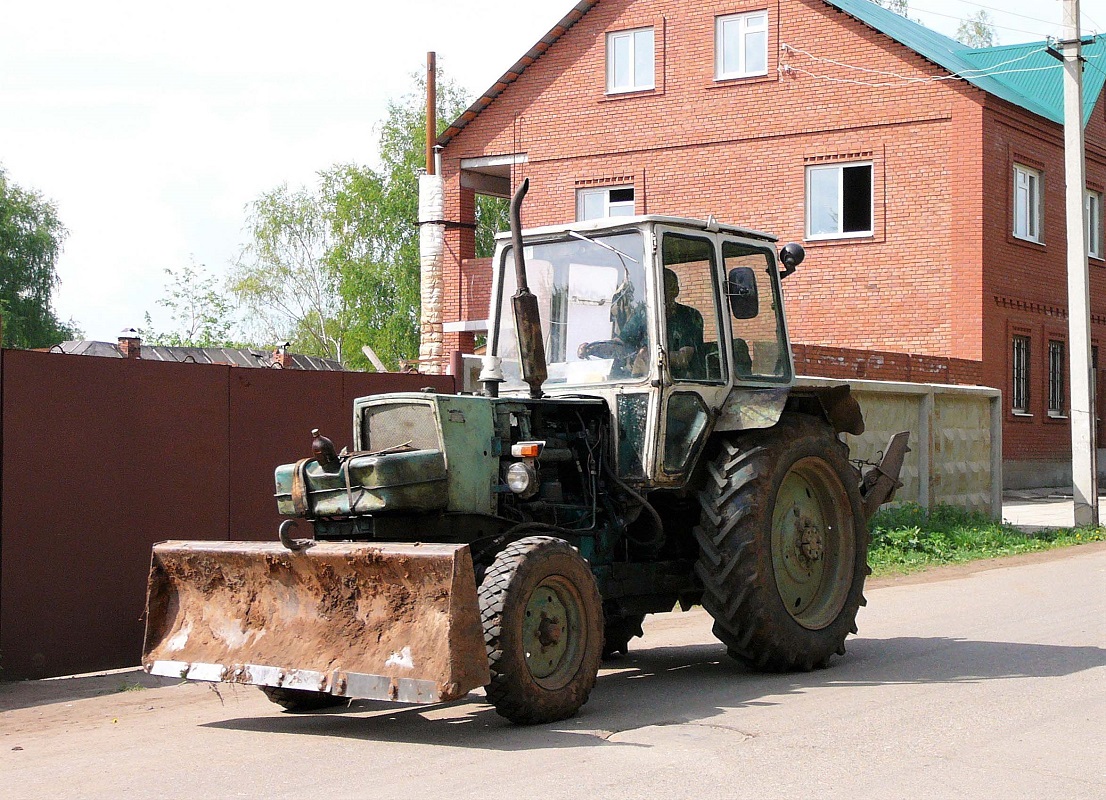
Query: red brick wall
[
  {"x": 839, "y": 362},
  {"x": 1025, "y": 284}
]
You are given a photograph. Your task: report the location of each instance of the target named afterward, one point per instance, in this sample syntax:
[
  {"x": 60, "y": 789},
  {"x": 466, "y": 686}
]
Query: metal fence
[{"x": 102, "y": 457}]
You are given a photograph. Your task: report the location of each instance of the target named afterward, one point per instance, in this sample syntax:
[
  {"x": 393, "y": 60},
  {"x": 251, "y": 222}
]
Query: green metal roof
[{"x": 1024, "y": 74}]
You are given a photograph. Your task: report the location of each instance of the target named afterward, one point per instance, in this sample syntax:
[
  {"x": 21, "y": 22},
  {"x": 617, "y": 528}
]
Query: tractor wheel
[
  {"x": 783, "y": 546},
  {"x": 618, "y": 633},
  {"x": 543, "y": 627},
  {"x": 301, "y": 699}
]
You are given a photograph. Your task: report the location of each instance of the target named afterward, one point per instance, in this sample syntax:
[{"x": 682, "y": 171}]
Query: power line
[
  {"x": 787, "y": 68},
  {"x": 992, "y": 24},
  {"x": 968, "y": 73},
  {"x": 990, "y": 8}
]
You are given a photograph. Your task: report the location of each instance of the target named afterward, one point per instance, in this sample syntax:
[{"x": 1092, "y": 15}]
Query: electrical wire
[{"x": 968, "y": 73}]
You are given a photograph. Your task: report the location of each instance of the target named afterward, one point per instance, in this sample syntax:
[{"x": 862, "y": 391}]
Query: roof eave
[{"x": 513, "y": 74}]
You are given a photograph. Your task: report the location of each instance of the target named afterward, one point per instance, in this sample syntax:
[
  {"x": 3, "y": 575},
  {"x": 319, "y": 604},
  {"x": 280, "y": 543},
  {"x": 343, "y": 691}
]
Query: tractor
[{"x": 636, "y": 443}]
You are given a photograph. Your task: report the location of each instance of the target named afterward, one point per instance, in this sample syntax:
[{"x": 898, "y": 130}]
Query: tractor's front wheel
[
  {"x": 543, "y": 627},
  {"x": 783, "y": 545}
]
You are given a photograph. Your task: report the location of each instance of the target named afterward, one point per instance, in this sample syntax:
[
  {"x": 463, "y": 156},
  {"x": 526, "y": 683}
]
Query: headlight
[{"x": 522, "y": 479}]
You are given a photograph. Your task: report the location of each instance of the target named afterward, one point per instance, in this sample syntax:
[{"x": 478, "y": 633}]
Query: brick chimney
[
  {"x": 130, "y": 343},
  {"x": 282, "y": 358}
]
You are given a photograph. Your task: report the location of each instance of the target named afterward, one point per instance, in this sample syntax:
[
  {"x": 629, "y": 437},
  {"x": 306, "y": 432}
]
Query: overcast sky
[{"x": 152, "y": 125}]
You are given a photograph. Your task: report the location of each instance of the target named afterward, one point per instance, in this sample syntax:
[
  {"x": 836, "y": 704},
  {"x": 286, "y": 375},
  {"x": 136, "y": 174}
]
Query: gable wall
[{"x": 737, "y": 149}]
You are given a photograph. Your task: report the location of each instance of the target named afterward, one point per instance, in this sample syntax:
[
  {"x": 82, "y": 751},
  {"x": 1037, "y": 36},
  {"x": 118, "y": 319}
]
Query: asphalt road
[{"x": 989, "y": 684}]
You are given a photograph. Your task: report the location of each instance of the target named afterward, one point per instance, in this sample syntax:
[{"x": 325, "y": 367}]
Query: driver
[
  {"x": 629, "y": 343},
  {"x": 685, "y": 333}
]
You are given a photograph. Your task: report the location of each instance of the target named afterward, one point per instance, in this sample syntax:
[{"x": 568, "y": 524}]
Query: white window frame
[
  {"x": 840, "y": 233},
  {"x": 1092, "y": 208},
  {"x": 1027, "y": 203},
  {"x": 635, "y": 39},
  {"x": 617, "y": 208},
  {"x": 751, "y": 23}
]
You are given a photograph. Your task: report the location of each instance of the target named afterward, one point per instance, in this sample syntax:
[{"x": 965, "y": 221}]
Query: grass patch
[
  {"x": 909, "y": 538},
  {"x": 130, "y": 686}
]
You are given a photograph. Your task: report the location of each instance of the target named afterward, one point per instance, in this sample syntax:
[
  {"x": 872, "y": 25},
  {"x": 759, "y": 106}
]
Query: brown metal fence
[{"x": 102, "y": 457}]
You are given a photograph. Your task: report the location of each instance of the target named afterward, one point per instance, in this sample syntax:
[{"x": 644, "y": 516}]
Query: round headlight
[{"x": 522, "y": 479}]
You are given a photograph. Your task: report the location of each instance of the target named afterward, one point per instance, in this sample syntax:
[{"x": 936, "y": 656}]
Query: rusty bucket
[{"x": 384, "y": 622}]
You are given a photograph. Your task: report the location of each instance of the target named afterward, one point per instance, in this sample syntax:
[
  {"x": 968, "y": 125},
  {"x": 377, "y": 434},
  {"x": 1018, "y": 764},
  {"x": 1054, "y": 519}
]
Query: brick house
[{"x": 925, "y": 180}]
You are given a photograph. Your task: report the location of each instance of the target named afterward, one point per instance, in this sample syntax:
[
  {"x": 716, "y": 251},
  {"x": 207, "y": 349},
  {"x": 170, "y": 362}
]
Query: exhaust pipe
[{"x": 531, "y": 346}]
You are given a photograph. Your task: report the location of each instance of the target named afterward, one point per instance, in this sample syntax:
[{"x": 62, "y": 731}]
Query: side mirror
[
  {"x": 741, "y": 289},
  {"x": 791, "y": 256}
]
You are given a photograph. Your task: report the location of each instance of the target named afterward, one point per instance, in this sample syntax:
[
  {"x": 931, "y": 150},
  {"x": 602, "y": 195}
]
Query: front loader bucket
[{"x": 378, "y": 621}]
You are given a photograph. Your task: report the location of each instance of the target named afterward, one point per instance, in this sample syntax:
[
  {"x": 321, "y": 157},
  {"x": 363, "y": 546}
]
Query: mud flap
[{"x": 383, "y": 622}]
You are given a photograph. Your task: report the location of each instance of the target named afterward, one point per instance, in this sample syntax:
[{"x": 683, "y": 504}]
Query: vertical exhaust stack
[{"x": 531, "y": 347}]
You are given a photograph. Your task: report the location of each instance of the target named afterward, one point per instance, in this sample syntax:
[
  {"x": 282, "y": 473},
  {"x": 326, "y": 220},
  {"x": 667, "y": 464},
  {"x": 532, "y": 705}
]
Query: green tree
[
  {"x": 336, "y": 267},
  {"x": 201, "y": 312},
  {"x": 901, "y": 7},
  {"x": 285, "y": 281},
  {"x": 978, "y": 30},
  {"x": 31, "y": 236}
]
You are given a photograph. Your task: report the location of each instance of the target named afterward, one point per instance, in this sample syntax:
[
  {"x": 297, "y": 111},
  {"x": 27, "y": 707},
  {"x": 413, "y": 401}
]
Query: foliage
[
  {"x": 901, "y": 7},
  {"x": 978, "y": 30},
  {"x": 31, "y": 237},
  {"x": 908, "y": 538},
  {"x": 284, "y": 281},
  {"x": 335, "y": 267},
  {"x": 202, "y": 314}
]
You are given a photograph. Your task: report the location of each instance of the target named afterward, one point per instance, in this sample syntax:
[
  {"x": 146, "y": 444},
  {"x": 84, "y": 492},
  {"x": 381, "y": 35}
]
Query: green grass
[
  {"x": 130, "y": 686},
  {"x": 908, "y": 538}
]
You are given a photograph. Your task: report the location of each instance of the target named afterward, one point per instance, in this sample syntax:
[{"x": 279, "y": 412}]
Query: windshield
[{"x": 594, "y": 316}]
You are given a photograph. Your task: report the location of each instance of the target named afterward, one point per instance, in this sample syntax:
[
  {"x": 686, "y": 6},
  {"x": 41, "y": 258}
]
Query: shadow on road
[
  {"x": 682, "y": 685},
  {"x": 27, "y": 694}
]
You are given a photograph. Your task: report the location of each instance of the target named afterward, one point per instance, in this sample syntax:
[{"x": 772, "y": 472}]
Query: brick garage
[{"x": 938, "y": 283}]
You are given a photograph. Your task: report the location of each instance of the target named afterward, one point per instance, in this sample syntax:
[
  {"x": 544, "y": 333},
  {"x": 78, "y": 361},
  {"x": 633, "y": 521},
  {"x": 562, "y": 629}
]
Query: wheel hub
[
  {"x": 809, "y": 540},
  {"x": 545, "y": 631},
  {"x": 812, "y": 551}
]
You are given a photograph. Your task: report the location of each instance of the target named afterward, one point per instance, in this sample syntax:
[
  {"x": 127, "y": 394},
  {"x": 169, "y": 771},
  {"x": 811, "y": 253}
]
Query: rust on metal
[
  {"x": 367, "y": 620},
  {"x": 880, "y": 482}
]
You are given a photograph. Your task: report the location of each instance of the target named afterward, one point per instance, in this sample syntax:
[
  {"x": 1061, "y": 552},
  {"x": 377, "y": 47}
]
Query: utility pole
[{"x": 1084, "y": 465}]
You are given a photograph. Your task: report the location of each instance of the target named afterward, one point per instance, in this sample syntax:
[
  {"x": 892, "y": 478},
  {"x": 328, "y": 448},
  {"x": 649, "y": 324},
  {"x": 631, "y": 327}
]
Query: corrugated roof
[
  {"x": 1036, "y": 85},
  {"x": 1023, "y": 74},
  {"x": 235, "y": 357}
]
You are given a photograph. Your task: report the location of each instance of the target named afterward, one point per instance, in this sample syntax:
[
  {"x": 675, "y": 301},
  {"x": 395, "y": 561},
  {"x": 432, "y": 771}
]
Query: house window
[
  {"x": 1027, "y": 203},
  {"x": 838, "y": 201},
  {"x": 1093, "y": 203},
  {"x": 1019, "y": 395},
  {"x": 610, "y": 201},
  {"x": 741, "y": 45},
  {"x": 630, "y": 60},
  {"x": 1055, "y": 378}
]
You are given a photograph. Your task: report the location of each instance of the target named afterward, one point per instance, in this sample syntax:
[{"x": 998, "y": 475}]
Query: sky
[{"x": 152, "y": 126}]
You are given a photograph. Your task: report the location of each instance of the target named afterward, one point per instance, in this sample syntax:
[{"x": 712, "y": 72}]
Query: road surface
[{"x": 965, "y": 684}]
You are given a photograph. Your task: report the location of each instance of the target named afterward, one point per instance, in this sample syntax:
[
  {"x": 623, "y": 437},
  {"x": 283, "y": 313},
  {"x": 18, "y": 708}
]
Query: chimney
[
  {"x": 282, "y": 358},
  {"x": 130, "y": 343}
]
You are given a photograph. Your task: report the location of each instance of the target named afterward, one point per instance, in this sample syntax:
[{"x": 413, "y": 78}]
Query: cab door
[{"x": 695, "y": 356}]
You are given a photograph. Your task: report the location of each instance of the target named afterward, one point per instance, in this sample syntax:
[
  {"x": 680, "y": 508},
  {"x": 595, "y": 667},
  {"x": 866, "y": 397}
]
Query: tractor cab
[{"x": 663, "y": 317}]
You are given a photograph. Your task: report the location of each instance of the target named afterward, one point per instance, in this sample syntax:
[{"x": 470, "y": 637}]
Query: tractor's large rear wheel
[
  {"x": 783, "y": 545},
  {"x": 543, "y": 627}
]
